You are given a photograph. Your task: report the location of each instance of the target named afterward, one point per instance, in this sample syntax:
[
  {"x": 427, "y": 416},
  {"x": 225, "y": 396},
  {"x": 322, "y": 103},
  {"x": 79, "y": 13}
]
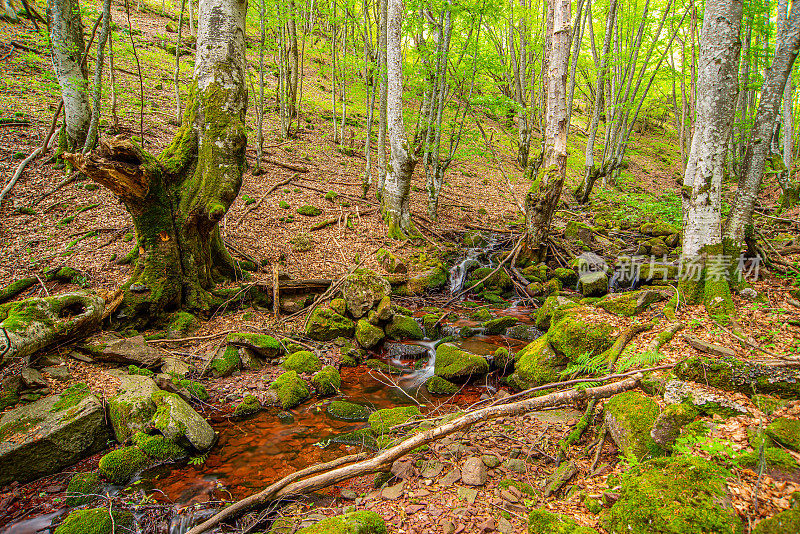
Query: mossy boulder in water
[
  {"x": 303, "y": 361},
  {"x": 732, "y": 374},
  {"x": 291, "y": 389},
  {"x": 439, "y": 386},
  {"x": 180, "y": 423},
  {"x": 363, "y": 522},
  {"x": 347, "y": 411},
  {"x": 83, "y": 488},
  {"x": 381, "y": 421},
  {"x": 540, "y": 521},
  {"x": 576, "y": 334},
  {"x": 324, "y": 324},
  {"x": 262, "y": 344},
  {"x": 367, "y": 335},
  {"x": 629, "y": 304},
  {"x": 51, "y": 433},
  {"x": 567, "y": 277},
  {"x": 120, "y": 465},
  {"x": 362, "y": 290},
  {"x": 499, "y": 325},
  {"x": 96, "y": 521},
  {"x": 677, "y": 495},
  {"x": 536, "y": 364},
  {"x": 502, "y": 359},
  {"x": 248, "y": 406},
  {"x": 786, "y": 432},
  {"x": 629, "y": 417},
  {"x": 327, "y": 382},
  {"x": 453, "y": 363},
  {"x": 404, "y": 327}
]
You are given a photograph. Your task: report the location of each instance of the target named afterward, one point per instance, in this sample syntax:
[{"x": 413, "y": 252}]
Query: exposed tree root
[
  {"x": 333, "y": 473},
  {"x": 613, "y": 354}
]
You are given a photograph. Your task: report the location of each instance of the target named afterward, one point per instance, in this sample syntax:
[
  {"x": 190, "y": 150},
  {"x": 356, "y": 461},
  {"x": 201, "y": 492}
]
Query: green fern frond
[{"x": 640, "y": 359}]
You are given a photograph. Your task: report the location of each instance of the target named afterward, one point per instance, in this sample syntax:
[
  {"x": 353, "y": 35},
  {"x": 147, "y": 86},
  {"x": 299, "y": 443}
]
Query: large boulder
[
  {"x": 629, "y": 418},
  {"x": 367, "y": 335},
  {"x": 580, "y": 332},
  {"x": 131, "y": 409},
  {"x": 324, "y": 324},
  {"x": 52, "y": 433},
  {"x": 630, "y": 303},
  {"x": 453, "y": 363},
  {"x": 675, "y": 495},
  {"x": 535, "y": 364},
  {"x": 404, "y": 327},
  {"x": 593, "y": 283},
  {"x": 181, "y": 424},
  {"x": 132, "y": 350},
  {"x": 553, "y": 308},
  {"x": 362, "y": 290}
]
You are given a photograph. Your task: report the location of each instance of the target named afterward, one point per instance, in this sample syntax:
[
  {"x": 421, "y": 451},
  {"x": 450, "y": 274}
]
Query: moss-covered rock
[
  {"x": 339, "y": 305},
  {"x": 362, "y": 290},
  {"x": 536, "y": 364},
  {"x": 499, "y": 325},
  {"x": 9, "y": 391},
  {"x": 773, "y": 457},
  {"x": 630, "y": 303},
  {"x": 786, "y": 522},
  {"x": 404, "y": 327},
  {"x": 291, "y": 389},
  {"x": 83, "y": 488},
  {"x": 382, "y": 420},
  {"x": 658, "y": 228},
  {"x": 263, "y": 345},
  {"x": 629, "y": 417},
  {"x": 453, "y": 363},
  {"x": 439, "y": 386},
  {"x": 551, "y": 307},
  {"x": 363, "y": 522},
  {"x": 499, "y": 280},
  {"x": 367, "y": 335},
  {"x": 180, "y": 423},
  {"x": 248, "y": 406},
  {"x": 120, "y": 465},
  {"x": 95, "y": 521},
  {"x": 593, "y": 283},
  {"x": 427, "y": 281},
  {"x": 732, "y": 374},
  {"x": 540, "y": 521},
  {"x": 677, "y": 495},
  {"x": 567, "y": 277},
  {"x": 361, "y": 438},
  {"x": 668, "y": 424},
  {"x": 347, "y": 411},
  {"x": 158, "y": 447},
  {"x": 786, "y": 432},
  {"x": 383, "y": 367},
  {"x": 324, "y": 324},
  {"x": 226, "y": 361},
  {"x": 575, "y": 335},
  {"x": 327, "y": 382},
  {"x": 502, "y": 359},
  {"x": 181, "y": 324},
  {"x": 131, "y": 410},
  {"x": 390, "y": 262},
  {"x": 303, "y": 361}
]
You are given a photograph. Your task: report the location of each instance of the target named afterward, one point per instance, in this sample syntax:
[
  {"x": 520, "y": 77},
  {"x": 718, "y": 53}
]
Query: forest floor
[{"x": 85, "y": 227}]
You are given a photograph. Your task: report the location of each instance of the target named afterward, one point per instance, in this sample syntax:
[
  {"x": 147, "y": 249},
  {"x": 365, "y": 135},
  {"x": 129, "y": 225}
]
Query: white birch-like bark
[
  {"x": 788, "y": 125},
  {"x": 66, "y": 38},
  {"x": 382, "y": 118},
  {"x": 91, "y": 137},
  {"x": 772, "y": 96},
  {"x": 716, "y": 98},
  {"x": 395, "y": 199}
]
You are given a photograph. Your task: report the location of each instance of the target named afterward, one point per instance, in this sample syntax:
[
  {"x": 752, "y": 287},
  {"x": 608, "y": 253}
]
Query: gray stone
[
  {"x": 490, "y": 460},
  {"x": 678, "y": 391},
  {"x": 362, "y": 290},
  {"x": 60, "y": 373},
  {"x": 131, "y": 409},
  {"x": 557, "y": 480},
  {"x": 52, "y": 433},
  {"x": 180, "y": 423},
  {"x": 593, "y": 284},
  {"x": 348, "y": 494},
  {"x": 451, "y": 477},
  {"x": 504, "y": 526},
  {"x": 33, "y": 379},
  {"x": 405, "y": 351},
  {"x": 133, "y": 350},
  {"x": 431, "y": 469},
  {"x": 517, "y": 465},
  {"x": 175, "y": 366},
  {"x": 393, "y": 492},
  {"x": 524, "y": 332},
  {"x": 473, "y": 472}
]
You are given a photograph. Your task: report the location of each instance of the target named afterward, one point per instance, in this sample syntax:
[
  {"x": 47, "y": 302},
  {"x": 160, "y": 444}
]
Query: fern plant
[
  {"x": 586, "y": 364},
  {"x": 639, "y": 359}
]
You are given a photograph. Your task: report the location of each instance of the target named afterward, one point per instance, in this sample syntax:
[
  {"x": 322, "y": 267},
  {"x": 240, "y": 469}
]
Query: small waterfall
[
  {"x": 419, "y": 376},
  {"x": 458, "y": 272}
]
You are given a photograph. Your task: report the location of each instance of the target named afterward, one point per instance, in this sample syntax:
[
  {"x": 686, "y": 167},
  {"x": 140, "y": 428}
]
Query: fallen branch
[
  {"x": 324, "y": 224},
  {"x": 327, "y": 476},
  {"x": 613, "y": 354},
  {"x": 665, "y": 336},
  {"x": 291, "y": 167}
]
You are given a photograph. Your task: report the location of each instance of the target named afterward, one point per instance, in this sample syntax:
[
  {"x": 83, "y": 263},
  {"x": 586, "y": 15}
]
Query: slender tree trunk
[
  {"x": 91, "y": 136},
  {"x": 383, "y": 118},
  {"x": 177, "y": 199},
  {"x": 702, "y": 183},
  {"x": 178, "y": 109},
  {"x": 262, "y": 15},
  {"x": 369, "y": 83},
  {"x": 543, "y": 197},
  {"x": 395, "y": 200},
  {"x": 772, "y": 96},
  {"x": 66, "y": 39}
]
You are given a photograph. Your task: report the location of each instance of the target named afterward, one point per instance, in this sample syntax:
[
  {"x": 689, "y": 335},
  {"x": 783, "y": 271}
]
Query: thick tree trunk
[
  {"x": 66, "y": 38},
  {"x": 702, "y": 183},
  {"x": 177, "y": 199},
  {"x": 772, "y": 95},
  {"x": 395, "y": 198},
  {"x": 543, "y": 197}
]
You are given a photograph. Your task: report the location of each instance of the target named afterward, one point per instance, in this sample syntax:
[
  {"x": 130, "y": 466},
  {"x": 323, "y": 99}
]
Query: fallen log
[{"x": 296, "y": 484}]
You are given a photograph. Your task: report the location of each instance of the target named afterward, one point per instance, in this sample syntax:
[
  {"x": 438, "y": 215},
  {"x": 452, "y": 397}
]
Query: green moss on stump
[
  {"x": 381, "y": 421},
  {"x": 439, "y": 386},
  {"x": 303, "y": 361},
  {"x": 364, "y": 522},
  {"x": 347, "y": 411},
  {"x": 452, "y": 363},
  {"x": 291, "y": 389},
  {"x": 82, "y": 489},
  {"x": 540, "y": 521},
  {"x": 327, "y": 382},
  {"x": 96, "y": 521},
  {"x": 121, "y": 464},
  {"x": 248, "y": 406}
]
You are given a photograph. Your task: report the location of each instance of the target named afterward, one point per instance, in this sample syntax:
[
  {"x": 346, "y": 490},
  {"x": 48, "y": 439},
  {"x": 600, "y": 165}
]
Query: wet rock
[
  {"x": 403, "y": 351},
  {"x": 629, "y": 417},
  {"x": 437, "y": 385},
  {"x": 382, "y": 421},
  {"x": 367, "y": 335},
  {"x": 404, "y": 327},
  {"x": 499, "y": 325},
  {"x": 181, "y": 424},
  {"x": 324, "y": 324},
  {"x": 673, "y": 494},
  {"x": 524, "y": 332},
  {"x": 97, "y": 521},
  {"x": 327, "y": 382},
  {"x": 133, "y": 350},
  {"x": 473, "y": 472},
  {"x": 362, "y": 438},
  {"x": 248, "y": 406},
  {"x": 709, "y": 402},
  {"x": 362, "y": 290},
  {"x": 52, "y": 433},
  {"x": 593, "y": 284},
  {"x": 291, "y": 389},
  {"x": 453, "y": 363},
  {"x": 347, "y": 411}
]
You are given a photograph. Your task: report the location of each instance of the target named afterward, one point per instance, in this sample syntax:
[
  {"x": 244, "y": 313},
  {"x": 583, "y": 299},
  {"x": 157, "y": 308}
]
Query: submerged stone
[
  {"x": 347, "y": 411},
  {"x": 453, "y": 363}
]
